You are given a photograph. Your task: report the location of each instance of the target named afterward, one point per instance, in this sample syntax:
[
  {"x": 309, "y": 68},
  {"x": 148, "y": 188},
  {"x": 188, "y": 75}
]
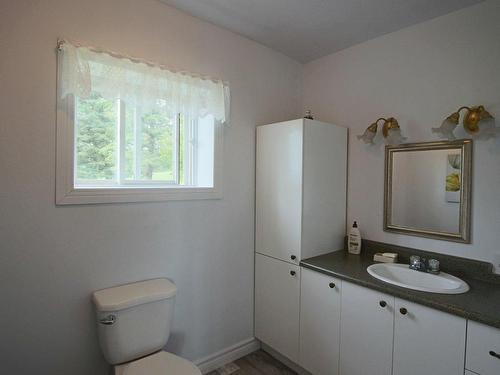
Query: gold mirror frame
[{"x": 463, "y": 235}]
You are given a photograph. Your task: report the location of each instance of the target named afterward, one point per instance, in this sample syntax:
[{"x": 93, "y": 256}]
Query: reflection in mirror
[{"x": 427, "y": 189}]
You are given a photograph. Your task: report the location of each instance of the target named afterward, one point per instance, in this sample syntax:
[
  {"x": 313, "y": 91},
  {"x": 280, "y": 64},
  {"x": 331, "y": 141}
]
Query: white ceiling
[{"x": 309, "y": 29}]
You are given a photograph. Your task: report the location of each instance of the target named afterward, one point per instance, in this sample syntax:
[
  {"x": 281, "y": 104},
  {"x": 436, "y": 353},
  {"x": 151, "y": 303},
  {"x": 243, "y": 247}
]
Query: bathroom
[{"x": 349, "y": 63}]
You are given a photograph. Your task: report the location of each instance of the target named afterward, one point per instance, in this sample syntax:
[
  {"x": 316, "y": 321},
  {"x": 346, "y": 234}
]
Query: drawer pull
[
  {"x": 493, "y": 354},
  {"x": 331, "y": 285},
  {"x": 292, "y": 273},
  {"x": 403, "y": 311},
  {"x": 382, "y": 304}
]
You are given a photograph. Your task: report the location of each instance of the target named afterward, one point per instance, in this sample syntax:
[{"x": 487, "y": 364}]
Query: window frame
[{"x": 68, "y": 193}]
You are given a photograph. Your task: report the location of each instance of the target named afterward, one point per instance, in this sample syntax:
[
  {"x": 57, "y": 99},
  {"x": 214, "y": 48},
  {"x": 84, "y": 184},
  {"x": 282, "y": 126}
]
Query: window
[
  {"x": 136, "y": 132},
  {"x": 128, "y": 147}
]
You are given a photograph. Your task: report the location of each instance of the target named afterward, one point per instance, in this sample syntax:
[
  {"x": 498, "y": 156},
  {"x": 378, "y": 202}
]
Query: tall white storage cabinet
[
  {"x": 301, "y": 174},
  {"x": 301, "y": 189}
]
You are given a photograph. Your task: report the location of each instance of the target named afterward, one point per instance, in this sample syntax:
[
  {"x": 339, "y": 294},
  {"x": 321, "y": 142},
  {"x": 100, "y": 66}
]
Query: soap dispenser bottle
[{"x": 354, "y": 242}]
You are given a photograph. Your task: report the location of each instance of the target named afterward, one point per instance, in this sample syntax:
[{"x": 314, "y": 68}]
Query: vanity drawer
[{"x": 483, "y": 349}]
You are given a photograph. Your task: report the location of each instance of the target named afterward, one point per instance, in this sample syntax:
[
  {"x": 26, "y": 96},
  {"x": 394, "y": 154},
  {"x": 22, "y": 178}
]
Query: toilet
[{"x": 134, "y": 323}]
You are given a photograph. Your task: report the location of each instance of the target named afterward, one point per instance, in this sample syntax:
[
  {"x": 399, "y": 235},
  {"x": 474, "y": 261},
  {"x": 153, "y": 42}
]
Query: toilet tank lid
[{"x": 129, "y": 295}]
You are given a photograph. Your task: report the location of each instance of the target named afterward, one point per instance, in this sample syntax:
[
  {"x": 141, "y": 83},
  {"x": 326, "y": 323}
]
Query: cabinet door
[
  {"x": 366, "y": 331},
  {"x": 319, "y": 323},
  {"x": 279, "y": 190},
  {"x": 277, "y": 291},
  {"x": 483, "y": 349},
  {"x": 427, "y": 341}
]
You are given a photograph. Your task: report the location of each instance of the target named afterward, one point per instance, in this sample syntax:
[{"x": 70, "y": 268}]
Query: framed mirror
[{"x": 428, "y": 189}]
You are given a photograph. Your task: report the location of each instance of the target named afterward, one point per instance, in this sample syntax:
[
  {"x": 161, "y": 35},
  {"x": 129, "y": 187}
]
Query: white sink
[{"x": 401, "y": 275}]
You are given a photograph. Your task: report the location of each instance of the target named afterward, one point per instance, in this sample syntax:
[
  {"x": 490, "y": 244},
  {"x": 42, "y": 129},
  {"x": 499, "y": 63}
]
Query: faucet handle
[
  {"x": 415, "y": 261},
  {"x": 433, "y": 265}
]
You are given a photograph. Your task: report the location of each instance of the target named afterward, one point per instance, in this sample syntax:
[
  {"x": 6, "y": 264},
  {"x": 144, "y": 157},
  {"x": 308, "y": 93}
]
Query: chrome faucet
[{"x": 421, "y": 264}]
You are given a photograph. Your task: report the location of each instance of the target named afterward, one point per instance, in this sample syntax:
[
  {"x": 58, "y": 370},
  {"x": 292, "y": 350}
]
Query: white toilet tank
[{"x": 134, "y": 320}]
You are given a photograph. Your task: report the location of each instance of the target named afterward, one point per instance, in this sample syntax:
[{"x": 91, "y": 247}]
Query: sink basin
[{"x": 401, "y": 275}]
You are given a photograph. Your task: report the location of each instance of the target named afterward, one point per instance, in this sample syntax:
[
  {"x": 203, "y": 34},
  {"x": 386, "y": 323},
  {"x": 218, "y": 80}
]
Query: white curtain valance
[{"x": 85, "y": 70}]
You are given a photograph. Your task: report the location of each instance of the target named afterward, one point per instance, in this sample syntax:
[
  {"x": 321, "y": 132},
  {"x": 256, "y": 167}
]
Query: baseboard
[
  {"x": 295, "y": 367},
  {"x": 227, "y": 355}
]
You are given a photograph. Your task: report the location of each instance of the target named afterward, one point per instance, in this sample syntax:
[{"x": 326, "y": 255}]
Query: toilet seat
[{"x": 161, "y": 363}]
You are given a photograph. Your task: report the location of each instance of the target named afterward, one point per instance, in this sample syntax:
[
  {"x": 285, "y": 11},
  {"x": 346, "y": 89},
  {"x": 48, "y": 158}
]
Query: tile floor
[{"x": 256, "y": 363}]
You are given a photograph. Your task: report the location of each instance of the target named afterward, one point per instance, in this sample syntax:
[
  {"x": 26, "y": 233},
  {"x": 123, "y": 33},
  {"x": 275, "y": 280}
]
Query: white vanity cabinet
[
  {"x": 319, "y": 323},
  {"x": 301, "y": 172},
  {"x": 366, "y": 331},
  {"x": 383, "y": 335},
  {"x": 277, "y": 293},
  {"x": 427, "y": 341},
  {"x": 379, "y": 334},
  {"x": 483, "y": 349},
  {"x": 330, "y": 326}
]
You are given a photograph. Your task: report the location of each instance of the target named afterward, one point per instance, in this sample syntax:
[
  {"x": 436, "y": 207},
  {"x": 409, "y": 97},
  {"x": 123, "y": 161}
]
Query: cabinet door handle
[
  {"x": 403, "y": 311},
  {"x": 493, "y": 354},
  {"x": 292, "y": 273},
  {"x": 382, "y": 304},
  {"x": 293, "y": 257},
  {"x": 331, "y": 285}
]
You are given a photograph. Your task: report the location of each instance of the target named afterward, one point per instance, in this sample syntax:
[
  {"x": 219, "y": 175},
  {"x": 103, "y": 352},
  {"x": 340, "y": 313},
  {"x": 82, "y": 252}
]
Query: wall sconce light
[
  {"x": 472, "y": 118},
  {"x": 390, "y": 130}
]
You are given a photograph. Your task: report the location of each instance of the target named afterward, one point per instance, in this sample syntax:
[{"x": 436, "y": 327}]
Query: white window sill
[{"x": 133, "y": 194}]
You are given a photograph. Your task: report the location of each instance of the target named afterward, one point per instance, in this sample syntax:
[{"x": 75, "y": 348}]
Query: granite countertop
[{"x": 481, "y": 303}]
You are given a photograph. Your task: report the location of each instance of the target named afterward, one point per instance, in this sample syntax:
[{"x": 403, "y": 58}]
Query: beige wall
[
  {"x": 419, "y": 75},
  {"x": 52, "y": 258}
]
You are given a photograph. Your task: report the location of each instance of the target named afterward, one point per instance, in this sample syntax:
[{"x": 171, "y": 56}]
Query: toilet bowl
[{"x": 134, "y": 323}]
